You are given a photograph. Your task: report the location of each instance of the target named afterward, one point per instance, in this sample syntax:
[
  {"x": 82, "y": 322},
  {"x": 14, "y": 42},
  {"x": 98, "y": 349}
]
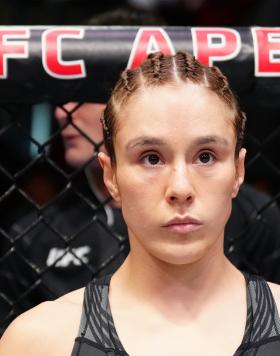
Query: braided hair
[{"x": 158, "y": 70}]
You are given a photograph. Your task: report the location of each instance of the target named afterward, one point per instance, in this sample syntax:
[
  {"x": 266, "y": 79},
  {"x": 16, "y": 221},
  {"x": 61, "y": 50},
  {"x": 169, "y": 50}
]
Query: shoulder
[{"x": 49, "y": 329}]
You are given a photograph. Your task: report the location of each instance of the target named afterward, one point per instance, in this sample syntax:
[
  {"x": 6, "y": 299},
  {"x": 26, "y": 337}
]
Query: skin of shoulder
[{"x": 48, "y": 329}]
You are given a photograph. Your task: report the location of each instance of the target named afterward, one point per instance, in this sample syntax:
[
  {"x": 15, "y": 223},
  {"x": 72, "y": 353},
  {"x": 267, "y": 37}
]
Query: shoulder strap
[
  {"x": 97, "y": 324},
  {"x": 94, "y": 321},
  {"x": 262, "y": 310}
]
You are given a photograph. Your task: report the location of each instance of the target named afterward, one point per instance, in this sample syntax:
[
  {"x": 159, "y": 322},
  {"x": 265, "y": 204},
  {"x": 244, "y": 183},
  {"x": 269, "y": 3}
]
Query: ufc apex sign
[{"x": 209, "y": 45}]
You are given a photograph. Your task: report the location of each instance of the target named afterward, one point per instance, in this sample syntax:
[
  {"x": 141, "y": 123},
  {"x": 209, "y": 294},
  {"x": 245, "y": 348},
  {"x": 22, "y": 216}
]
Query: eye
[
  {"x": 151, "y": 159},
  {"x": 206, "y": 158}
]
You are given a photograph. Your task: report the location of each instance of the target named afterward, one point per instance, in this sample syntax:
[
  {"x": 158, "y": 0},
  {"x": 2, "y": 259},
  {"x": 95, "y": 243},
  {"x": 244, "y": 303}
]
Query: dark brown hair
[{"x": 158, "y": 70}]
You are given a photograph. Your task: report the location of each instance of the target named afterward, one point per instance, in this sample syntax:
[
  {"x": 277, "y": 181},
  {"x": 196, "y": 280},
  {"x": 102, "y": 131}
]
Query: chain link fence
[{"x": 57, "y": 231}]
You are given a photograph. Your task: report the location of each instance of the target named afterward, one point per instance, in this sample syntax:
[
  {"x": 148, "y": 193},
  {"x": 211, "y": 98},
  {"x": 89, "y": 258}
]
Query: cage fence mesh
[{"x": 56, "y": 234}]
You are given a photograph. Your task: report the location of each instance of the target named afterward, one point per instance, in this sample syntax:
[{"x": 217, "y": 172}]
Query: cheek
[
  {"x": 82, "y": 150},
  {"x": 86, "y": 148},
  {"x": 219, "y": 197},
  {"x": 216, "y": 190},
  {"x": 139, "y": 193},
  {"x": 95, "y": 132},
  {"x": 223, "y": 179}
]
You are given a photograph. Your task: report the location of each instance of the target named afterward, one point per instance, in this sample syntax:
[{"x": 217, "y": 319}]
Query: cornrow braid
[
  {"x": 239, "y": 125},
  {"x": 159, "y": 69},
  {"x": 219, "y": 83},
  {"x": 156, "y": 61},
  {"x": 188, "y": 67},
  {"x": 104, "y": 125},
  {"x": 126, "y": 77}
]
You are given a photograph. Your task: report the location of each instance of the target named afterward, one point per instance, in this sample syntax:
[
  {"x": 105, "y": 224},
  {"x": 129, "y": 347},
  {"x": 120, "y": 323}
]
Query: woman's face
[{"x": 176, "y": 171}]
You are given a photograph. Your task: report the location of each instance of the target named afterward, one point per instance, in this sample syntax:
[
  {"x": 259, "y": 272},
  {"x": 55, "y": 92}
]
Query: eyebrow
[
  {"x": 211, "y": 139},
  {"x": 155, "y": 141},
  {"x": 144, "y": 141}
]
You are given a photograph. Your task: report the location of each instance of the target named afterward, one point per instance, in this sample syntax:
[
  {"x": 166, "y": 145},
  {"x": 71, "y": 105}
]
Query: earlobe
[
  {"x": 240, "y": 172},
  {"x": 109, "y": 175}
]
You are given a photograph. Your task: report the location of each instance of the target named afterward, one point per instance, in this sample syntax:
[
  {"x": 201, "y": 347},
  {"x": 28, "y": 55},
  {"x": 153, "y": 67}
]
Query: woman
[{"x": 173, "y": 132}]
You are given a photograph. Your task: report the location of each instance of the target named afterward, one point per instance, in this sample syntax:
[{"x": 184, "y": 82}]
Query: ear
[
  {"x": 109, "y": 175},
  {"x": 240, "y": 172}
]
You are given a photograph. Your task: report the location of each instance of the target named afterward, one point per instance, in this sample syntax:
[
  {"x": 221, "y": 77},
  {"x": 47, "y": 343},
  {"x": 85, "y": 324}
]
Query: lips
[
  {"x": 183, "y": 224},
  {"x": 69, "y": 138}
]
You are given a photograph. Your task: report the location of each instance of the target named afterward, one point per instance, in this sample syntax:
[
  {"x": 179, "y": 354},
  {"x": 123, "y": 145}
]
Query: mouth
[
  {"x": 68, "y": 139},
  {"x": 183, "y": 225}
]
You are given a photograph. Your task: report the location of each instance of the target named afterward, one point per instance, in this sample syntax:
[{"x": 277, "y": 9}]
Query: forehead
[{"x": 185, "y": 110}]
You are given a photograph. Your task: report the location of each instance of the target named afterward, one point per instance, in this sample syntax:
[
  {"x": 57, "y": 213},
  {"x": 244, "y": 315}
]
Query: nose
[
  {"x": 180, "y": 189},
  {"x": 63, "y": 113}
]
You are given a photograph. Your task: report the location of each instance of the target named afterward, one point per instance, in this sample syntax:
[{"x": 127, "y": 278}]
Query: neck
[{"x": 157, "y": 282}]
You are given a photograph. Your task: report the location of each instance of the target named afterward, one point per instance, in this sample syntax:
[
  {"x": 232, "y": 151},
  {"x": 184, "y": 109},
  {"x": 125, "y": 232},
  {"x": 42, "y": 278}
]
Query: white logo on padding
[{"x": 60, "y": 257}]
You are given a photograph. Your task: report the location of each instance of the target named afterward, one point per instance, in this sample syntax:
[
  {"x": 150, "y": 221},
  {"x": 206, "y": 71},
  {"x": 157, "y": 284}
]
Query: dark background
[{"x": 174, "y": 12}]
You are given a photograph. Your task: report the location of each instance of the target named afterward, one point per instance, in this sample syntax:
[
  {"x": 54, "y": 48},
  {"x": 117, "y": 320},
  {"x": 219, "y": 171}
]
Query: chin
[
  {"x": 74, "y": 160},
  {"x": 181, "y": 260},
  {"x": 181, "y": 256}
]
